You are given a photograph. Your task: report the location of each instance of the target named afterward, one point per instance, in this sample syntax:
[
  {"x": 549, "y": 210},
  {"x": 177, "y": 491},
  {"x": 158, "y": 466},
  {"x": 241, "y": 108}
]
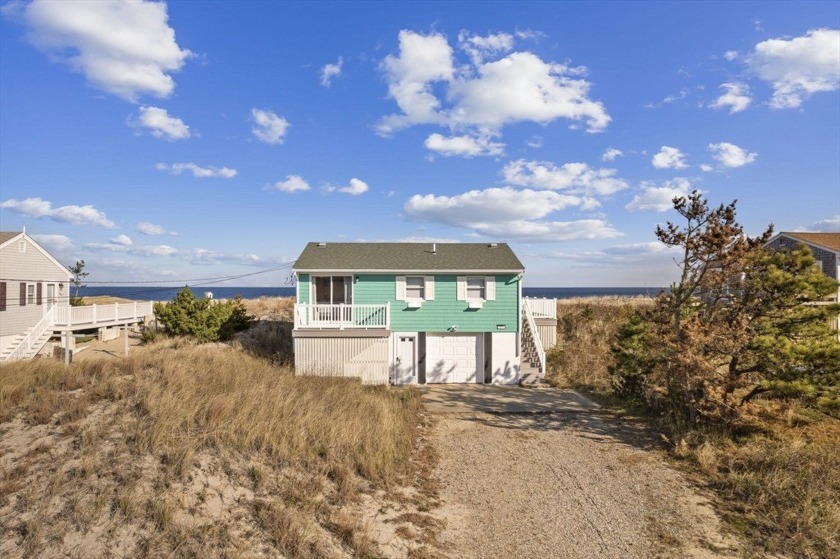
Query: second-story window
[
  {"x": 415, "y": 288},
  {"x": 30, "y": 294},
  {"x": 476, "y": 289}
]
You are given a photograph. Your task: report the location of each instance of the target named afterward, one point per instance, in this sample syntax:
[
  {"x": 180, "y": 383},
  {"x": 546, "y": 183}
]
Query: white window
[
  {"x": 30, "y": 294},
  {"x": 415, "y": 288},
  {"x": 476, "y": 289}
]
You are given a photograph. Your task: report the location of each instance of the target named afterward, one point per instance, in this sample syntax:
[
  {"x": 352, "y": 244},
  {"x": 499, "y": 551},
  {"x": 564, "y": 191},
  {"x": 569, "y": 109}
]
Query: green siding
[
  {"x": 445, "y": 310},
  {"x": 303, "y": 288}
]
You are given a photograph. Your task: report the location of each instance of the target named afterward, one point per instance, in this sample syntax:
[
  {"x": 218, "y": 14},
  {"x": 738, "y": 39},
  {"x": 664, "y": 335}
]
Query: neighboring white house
[
  {"x": 35, "y": 301},
  {"x": 32, "y": 283}
]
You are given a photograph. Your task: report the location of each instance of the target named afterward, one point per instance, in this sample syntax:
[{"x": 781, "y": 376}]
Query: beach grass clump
[
  {"x": 586, "y": 329},
  {"x": 193, "y": 449}
]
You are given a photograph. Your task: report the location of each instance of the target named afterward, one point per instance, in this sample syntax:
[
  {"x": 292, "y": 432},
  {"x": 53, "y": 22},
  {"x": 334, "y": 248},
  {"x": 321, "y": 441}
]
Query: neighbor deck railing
[
  {"x": 95, "y": 315},
  {"x": 342, "y": 316},
  {"x": 541, "y": 308}
]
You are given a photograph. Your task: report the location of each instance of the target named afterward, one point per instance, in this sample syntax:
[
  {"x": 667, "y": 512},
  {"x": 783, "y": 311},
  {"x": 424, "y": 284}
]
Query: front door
[
  {"x": 405, "y": 366},
  {"x": 50, "y": 296}
]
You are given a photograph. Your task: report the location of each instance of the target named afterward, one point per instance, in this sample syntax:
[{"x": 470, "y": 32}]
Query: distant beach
[{"x": 158, "y": 293}]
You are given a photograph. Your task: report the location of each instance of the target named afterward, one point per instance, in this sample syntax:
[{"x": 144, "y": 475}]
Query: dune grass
[
  {"x": 151, "y": 438},
  {"x": 776, "y": 472}
]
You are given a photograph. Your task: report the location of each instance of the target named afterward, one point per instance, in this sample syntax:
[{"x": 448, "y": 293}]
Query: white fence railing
[
  {"x": 535, "y": 335},
  {"x": 342, "y": 316},
  {"x": 34, "y": 334},
  {"x": 541, "y": 308},
  {"x": 99, "y": 314}
]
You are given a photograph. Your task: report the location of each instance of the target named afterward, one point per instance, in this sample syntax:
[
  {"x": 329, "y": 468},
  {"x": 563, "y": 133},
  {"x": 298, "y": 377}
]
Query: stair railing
[
  {"x": 535, "y": 334},
  {"x": 31, "y": 337}
]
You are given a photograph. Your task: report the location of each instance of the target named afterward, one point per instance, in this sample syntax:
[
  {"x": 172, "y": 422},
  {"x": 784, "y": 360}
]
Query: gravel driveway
[{"x": 566, "y": 485}]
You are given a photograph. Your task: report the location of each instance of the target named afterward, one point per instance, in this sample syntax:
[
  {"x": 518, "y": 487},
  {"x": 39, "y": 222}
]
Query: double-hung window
[
  {"x": 30, "y": 294},
  {"x": 476, "y": 289},
  {"x": 415, "y": 288}
]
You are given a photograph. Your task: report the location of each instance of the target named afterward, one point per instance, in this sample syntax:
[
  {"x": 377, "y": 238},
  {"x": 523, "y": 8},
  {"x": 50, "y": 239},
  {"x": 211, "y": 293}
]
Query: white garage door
[{"x": 454, "y": 358}]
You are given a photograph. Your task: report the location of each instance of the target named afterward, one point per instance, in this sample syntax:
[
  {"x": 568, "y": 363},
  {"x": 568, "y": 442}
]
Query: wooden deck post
[
  {"x": 67, "y": 348},
  {"x": 125, "y": 339}
]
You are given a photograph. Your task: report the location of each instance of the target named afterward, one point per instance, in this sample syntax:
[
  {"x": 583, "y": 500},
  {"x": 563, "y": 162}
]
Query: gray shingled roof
[
  {"x": 409, "y": 257},
  {"x": 6, "y": 235}
]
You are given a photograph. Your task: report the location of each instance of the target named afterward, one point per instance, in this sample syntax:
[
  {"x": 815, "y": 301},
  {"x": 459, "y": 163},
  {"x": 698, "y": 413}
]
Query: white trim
[
  {"x": 420, "y": 271},
  {"x": 319, "y": 275},
  {"x": 394, "y": 338},
  {"x": 41, "y": 249}
]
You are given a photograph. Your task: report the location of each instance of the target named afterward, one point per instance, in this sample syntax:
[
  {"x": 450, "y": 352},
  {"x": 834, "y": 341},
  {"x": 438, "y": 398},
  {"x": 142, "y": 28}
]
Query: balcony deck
[{"x": 341, "y": 317}]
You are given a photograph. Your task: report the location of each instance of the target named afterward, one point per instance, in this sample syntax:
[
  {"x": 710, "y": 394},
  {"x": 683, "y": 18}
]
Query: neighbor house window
[
  {"x": 476, "y": 289},
  {"x": 415, "y": 288},
  {"x": 30, "y": 294}
]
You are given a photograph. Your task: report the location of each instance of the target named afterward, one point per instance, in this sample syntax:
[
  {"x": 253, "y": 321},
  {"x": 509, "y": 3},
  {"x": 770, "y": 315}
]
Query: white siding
[
  {"x": 30, "y": 266},
  {"x": 364, "y": 358},
  {"x": 504, "y": 362}
]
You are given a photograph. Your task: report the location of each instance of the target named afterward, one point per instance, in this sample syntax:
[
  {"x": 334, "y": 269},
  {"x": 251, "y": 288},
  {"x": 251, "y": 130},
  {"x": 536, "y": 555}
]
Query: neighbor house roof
[
  {"x": 8, "y": 236},
  {"x": 408, "y": 257},
  {"x": 831, "y": 241}
]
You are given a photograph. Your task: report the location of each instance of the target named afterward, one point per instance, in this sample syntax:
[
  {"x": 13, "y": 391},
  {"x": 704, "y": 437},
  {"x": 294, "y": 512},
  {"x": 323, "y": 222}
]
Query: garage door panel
[{"x": 453, "y": 358}]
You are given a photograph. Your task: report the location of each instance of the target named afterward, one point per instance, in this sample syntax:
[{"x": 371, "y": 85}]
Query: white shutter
[
  {"x": 400, "y": 288},
  {"x": 490, "y": 288},
  {"x": 429, "y": 287},
  {"x": 461, "y": 291}
]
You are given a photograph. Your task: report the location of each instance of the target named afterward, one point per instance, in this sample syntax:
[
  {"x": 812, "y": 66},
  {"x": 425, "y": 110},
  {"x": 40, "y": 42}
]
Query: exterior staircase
[
  {"x": 28, "y": 344},
  {"x": 532, "y": 368}
]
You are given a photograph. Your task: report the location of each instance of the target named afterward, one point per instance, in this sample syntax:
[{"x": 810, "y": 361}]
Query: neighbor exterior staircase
[
  {"x": 532, "y": 357},
  {"x": 28, "y": 344}
]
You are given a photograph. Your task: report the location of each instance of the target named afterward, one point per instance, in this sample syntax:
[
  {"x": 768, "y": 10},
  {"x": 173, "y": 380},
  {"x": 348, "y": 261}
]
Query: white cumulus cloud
[
  {"x": 293, "y": 183},
  {"x": 147, "y": 228},
  {"x": 330, "y": 71},
  {"x": 736, "y": 97},
  {"x": 161, "y": 124},
  {"x": 508, "y": 213},
  {"x": 482, "y": 95},
  {"x": 730, "y": 155},
  {"x": 798, "y": 67},
  {"x": 126, "y": 48},
  {"x": 464, "y": 146},
  {"x": 575, "y": 178},
  {"x": 659, "y": 198},
  {"x": 197, "y": 171},
  {"x": 55, "y": 243},
  {"x": 669, "y": 158},
  {"x": 268, "y": 127},
  {"x": 355, "y": 188},
  {"x": 123, "y": 240},
  {"x": 611, "y": 154},
  {"x": 76, "y": 215}
]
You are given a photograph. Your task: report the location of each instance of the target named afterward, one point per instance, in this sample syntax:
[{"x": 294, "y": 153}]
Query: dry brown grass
[
  {"x": 192, "y": 450},
  {"x": 272, "y": 308},
  {"x": 777, "y": 473},
  {"x": 585, "y": 331}
]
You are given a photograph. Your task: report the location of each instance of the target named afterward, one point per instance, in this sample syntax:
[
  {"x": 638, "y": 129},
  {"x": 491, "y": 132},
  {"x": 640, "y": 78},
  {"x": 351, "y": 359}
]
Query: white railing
[
  {"x": 94, "y": 315},
  {"x": 32, "y": 336},
  {"x": 541, "y": 308},
  {"x": 535, "y": 335},
  {"x": 342, "y": 316}
]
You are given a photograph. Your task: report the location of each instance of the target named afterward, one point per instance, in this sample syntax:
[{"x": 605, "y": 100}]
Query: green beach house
[{"x": 417, "y": 313}]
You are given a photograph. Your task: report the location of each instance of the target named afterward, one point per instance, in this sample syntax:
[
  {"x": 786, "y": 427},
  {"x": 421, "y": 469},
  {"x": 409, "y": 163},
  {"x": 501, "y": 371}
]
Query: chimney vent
[
  {"x": 434, "y": 248},
  {"x": 493, "y": 245},
  {"x": 322, "y": 245}
]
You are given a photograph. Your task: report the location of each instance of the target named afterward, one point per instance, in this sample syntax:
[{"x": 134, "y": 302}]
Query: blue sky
[{"x": 183, "y": 140}]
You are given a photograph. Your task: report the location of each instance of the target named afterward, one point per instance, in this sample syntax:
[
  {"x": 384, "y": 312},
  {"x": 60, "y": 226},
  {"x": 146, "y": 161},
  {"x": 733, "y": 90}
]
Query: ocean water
[{"x": 158, "y": 293}]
